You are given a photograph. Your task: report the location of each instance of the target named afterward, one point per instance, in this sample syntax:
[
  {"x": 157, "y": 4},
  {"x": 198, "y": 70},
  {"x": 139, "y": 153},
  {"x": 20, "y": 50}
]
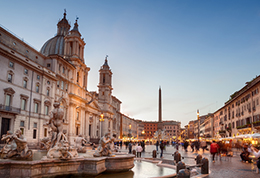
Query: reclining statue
[
  {"x": 104, "y": 146},
  {"x": 9, "y": 144},
  {"x": 17, "y": 146},
  {"x": 79, "y": 142}
]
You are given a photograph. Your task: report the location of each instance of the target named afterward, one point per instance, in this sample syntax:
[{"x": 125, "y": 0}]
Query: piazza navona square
[{"x": 164, "y": 98}]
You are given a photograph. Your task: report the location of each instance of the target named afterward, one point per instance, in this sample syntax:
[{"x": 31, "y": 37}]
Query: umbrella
[
  {"x": 243, "y": 136},
  {"x": 255, "y": 135}
]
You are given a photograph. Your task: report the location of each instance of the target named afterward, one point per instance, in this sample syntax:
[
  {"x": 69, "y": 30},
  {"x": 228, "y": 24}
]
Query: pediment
[
  {"x": 94, "y": 104},
  {"x": 9, "y": 90},
  {"x": 47, "y": 102}
]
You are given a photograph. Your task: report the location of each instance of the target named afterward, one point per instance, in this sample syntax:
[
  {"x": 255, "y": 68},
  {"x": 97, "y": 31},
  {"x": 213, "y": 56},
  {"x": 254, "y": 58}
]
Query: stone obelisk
[{"x": 160, "y": 124}]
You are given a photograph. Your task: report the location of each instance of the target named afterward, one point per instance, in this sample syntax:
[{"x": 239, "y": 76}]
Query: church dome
[{"x": 55, "y": 45}]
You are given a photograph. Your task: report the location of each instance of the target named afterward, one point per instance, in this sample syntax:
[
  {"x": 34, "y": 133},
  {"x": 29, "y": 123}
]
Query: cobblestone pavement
[{"x": 230, "y": 167}]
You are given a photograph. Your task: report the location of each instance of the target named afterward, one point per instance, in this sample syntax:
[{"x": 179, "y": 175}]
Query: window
[
  {"x": 77, "y": 130},
  {"x": 8, "y": 100},
  {"x": 35, "y": 125},
  {"x": 11, "y": 64},
  {"x": 23, "y": 104},
  {"x": 45, "y": 132},
  {"x": 10, "y": 78},
  {"x": 22, "y": 131},
  {"x": 48, "y": 92},
  {"x": 48, "y": 82},
  {"x": 34, "y": 133},
  {"x": 25, "y": 83},
  {"x": 104, "y": 77},
  {"x": 62, "y": 85},
  {"x": 47, "y": 105},
  {"x": 48, "y": 65},
  {"x": 63, "y": 70},
  {"x": 46, "y": 110},
  {"x": 24, "y": 99},
  {"x": 21, "y": 123},
  {"x": 58, "y": 83},
  {"x": 66, "y": 87},
  {"x": 77, "y": 116},
  {"x": 26, "y": 71},
  {"x": 9, "y": 93},
  {"x": 36, "y": 105},
  {"x": 37, "y": 88},
  {"x": 38, "y": 77},
  {"x": 77, "y": 76}
]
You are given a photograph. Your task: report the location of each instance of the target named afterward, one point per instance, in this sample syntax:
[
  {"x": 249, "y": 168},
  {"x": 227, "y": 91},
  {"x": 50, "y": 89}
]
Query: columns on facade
[{"x": 72, "y": 111}]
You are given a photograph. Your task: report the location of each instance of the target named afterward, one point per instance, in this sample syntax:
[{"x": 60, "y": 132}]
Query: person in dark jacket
[
  {"x": 185, "y": 145},
  {"x": 162, "y": 148},
  {"x": 245, "y": 154},
  {"x": 157, "y": 145},
  {"x": 130, "y": 147}
]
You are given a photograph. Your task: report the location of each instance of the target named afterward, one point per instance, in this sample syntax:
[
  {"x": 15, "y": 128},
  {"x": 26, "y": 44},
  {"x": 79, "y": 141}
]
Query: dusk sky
[{"x": 199, "y": 52}]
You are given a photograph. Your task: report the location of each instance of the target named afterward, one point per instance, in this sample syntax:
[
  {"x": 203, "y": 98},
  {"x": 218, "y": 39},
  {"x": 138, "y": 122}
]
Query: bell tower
[
  {"x": 105, "y": 83},
  {"x": 74, "y": 44}
]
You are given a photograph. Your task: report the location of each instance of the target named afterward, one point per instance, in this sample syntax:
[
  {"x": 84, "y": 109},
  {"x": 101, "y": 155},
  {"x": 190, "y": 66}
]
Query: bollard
[
  {"x": 205, "y": 166},
  {"x": 154, "y": 153},
  {"x": 183, "y": 173},
  {"x": 198, "y": 159},
  {"x": 177, "y": 157},
  {"x": 180, "y": 165},
  {"x": 134, "y": 152}
]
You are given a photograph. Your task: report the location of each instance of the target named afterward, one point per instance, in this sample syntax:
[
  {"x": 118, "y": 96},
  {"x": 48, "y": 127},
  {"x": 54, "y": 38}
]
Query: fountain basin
[{"x": 78, "y": 166}]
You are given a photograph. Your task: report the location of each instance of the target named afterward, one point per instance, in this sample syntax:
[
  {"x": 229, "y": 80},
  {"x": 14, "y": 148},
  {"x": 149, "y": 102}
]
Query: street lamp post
[
  {"x": 143, "y": 132},
  {"x": 198, "y": 116},
  {"x": 101, "y": 120}
]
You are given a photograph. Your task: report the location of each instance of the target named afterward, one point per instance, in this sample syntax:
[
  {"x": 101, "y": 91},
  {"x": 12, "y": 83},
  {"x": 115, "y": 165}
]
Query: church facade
[{"x": 31, "y": 80}]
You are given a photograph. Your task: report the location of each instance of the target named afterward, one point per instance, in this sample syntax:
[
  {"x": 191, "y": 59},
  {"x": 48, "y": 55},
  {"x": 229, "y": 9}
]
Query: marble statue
[
  {"x": 17, "y": 146},
  {"x": 56, "y": 123},
  {"x": 57, "y": 144},
  {"x": 160, "y": 134},
  {"x": 104, "y": 146},
  {"x": 79, "y": 141},
  {"x": 9, "y": 144}
]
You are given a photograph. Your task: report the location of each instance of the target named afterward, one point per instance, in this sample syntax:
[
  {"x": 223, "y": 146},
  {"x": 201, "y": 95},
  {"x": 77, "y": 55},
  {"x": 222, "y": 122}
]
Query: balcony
[
  {"x": 222, "y": 132},
  {"x": 256, "y": 124},
  {"x": 244, "y": 126},
  {"x": 10, "y": 109}
]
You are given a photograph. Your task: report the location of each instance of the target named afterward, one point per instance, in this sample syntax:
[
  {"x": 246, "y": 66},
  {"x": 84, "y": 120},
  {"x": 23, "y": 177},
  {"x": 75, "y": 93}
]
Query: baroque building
[{"x": 32, "y": 80}]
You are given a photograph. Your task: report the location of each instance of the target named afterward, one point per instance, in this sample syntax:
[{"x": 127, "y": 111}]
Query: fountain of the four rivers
[{"x": 63, "y": 160}]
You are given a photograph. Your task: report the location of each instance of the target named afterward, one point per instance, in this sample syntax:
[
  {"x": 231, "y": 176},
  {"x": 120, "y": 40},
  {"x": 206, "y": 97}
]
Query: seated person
[{"x": 245, "y": 155}]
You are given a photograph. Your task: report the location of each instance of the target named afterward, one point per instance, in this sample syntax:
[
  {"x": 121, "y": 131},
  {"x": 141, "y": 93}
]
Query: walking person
[
  {"x": 192, "y": 146},
  {"x": 203, "y": 145},
  {"x": 139, "y": 150},
  {"x": 130, "y": 147},
  {"x": 162, "y": 148},
  {"x": 256, "y": 153},
  {"x": 185, "y": 145},
  {"x": 213, "y": 150},
  {"x": 143, "y": 145},
  {"x": 157, "y": 145},
  {"x": 177, "y": 145}
]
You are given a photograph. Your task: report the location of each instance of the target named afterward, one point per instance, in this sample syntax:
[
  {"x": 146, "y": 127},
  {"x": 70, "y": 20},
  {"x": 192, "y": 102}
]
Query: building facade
[{"x": 32, "y": 80}]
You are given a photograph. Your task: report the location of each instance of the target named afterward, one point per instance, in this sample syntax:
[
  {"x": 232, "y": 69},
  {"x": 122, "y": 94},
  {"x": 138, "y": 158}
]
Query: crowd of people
[{"x": 217, "y": 148}]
